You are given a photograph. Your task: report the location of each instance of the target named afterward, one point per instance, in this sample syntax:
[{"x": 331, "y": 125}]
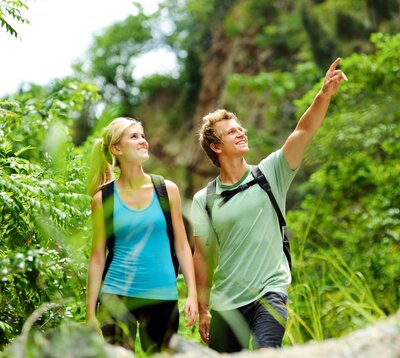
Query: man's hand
[
  {"x": 204, "y": 326},
  {"x": 332, "y": 79}
]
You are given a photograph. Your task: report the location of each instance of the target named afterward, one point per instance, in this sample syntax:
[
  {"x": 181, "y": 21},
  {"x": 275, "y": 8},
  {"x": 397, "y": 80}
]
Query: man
[{"x": 238, "y": 241}]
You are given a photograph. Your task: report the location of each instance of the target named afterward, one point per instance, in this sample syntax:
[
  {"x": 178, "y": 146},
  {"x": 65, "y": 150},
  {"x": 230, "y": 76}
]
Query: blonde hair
[
  {"x": 103, "y": 161},
  {"x": 208, "y": 135}
]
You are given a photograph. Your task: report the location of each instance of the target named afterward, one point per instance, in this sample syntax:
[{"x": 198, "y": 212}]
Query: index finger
[
  {"x": 334, "y": 64},
  {"x": 192, "y": 321}
]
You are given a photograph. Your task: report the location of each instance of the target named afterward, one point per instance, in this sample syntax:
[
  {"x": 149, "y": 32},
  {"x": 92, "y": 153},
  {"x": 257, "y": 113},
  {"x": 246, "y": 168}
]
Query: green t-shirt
[{"x": 251, "y": 260}]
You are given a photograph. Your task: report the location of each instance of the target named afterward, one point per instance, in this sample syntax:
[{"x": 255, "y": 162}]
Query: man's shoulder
[
  {"x": 270, "y": 160},
  {"x": 201, "y": 194}
]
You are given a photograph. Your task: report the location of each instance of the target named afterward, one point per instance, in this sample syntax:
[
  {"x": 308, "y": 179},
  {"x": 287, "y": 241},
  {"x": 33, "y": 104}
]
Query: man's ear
[{"x": 216, "y": 147}]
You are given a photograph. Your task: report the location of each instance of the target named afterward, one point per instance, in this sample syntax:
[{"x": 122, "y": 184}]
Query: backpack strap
[
  {"x": 108, "y": 214},
  {"x": 210, "y": 198},
  {"x": 107, "y": 198},
  {"x": 260, "y": 179},
  {"x": 162, "y": 194},
  {"x": 263, "y": 182},
  {"x": 229, "y": 194}
]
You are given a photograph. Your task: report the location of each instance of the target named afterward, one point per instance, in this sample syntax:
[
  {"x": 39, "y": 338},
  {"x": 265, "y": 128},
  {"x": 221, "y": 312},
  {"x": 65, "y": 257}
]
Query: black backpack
[
  {"x": 162, "y": 194},
  {"x": 261, "y": 180}
]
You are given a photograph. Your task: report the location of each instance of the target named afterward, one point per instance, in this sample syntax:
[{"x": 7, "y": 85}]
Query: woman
[{"x": 140, "y": 283}]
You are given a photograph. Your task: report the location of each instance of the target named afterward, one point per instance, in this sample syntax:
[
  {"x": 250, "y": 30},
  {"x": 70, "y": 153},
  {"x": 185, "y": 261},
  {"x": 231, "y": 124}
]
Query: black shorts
[
  {"x": 263, "y": 320},
  {"x": 119, "y": 317}
]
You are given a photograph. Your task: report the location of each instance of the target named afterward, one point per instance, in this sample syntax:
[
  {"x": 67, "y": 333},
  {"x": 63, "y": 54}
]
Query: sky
[{"x": 59, "y": 32}]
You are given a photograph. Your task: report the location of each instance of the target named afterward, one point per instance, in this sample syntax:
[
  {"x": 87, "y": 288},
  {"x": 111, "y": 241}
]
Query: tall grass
[{"x": 327, "y": 297}]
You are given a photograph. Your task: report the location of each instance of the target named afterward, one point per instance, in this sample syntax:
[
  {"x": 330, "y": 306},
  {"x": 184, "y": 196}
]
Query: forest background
[{"x": 261, "y": 59}]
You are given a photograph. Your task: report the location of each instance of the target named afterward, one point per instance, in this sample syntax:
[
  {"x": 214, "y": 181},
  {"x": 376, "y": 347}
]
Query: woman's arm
[
  {"x": 183, "y": 252},
  {"x": 97, "y": 258}
]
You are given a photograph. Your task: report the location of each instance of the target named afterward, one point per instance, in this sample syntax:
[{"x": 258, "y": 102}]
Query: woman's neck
[{"x": 132, "y": 177}]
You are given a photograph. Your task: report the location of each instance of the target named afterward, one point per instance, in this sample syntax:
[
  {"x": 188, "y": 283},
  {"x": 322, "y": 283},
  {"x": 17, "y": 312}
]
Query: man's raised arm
[{"x": 311, "y": 120}]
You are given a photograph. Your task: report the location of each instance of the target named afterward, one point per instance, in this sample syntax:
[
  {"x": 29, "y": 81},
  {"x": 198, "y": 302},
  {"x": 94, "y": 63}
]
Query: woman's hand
[
  {"x": 191, "y": 311},
  {"x": 92, "y": 321}
]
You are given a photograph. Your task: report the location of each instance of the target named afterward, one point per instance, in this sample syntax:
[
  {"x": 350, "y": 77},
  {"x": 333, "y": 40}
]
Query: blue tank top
[{"x": 142, "y": 265}]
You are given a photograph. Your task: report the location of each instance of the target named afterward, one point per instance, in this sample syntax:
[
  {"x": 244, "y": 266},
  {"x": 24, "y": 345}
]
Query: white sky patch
[
  {"x": 158, "y": 61},
  {"x": 59, "y": 32}
]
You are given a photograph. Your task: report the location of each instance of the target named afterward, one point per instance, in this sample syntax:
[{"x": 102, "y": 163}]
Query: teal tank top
[{"x": 142, "y": 265}]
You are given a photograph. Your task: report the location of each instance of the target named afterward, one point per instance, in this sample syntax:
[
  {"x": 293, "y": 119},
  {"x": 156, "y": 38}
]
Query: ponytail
[{"x": 101, "y": 171}]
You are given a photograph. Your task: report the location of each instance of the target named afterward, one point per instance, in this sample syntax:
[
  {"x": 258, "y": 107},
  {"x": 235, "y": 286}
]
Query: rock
[{"x": 379, "y": 340}]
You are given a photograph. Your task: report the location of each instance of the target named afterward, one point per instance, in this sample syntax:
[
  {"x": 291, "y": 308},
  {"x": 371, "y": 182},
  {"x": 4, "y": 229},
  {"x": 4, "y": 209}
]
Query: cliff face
[
  {"x": 216, "y": 67},
  {"x": 251, "y": 38},
  {"x": 233, "y": 48},
  {"x": 226, "y": 55}
]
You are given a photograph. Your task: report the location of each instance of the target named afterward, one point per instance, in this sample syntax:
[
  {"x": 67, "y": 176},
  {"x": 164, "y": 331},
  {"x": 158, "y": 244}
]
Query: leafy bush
[{"x": 42, "y": 206}]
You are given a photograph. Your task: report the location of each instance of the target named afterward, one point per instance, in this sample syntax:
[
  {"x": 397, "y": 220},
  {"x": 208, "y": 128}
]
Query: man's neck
[{"x": 232, "y": 171}]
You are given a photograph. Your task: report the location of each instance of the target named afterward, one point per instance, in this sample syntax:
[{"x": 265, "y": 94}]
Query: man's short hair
[{"x": 208, "y": 135}]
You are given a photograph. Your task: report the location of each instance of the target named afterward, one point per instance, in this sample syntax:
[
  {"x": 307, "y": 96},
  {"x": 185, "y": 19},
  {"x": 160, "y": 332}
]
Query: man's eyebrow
[{"x": 234, "y": 128}]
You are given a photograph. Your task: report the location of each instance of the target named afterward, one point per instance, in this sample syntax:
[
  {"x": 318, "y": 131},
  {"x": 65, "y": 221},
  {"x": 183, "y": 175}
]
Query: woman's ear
[
  {"x": 114, "y": 149},
  {"x": 216, "y": 147}
]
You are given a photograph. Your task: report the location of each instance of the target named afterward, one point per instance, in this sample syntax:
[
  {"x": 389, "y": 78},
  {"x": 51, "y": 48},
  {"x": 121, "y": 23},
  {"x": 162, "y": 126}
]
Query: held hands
[
  {"x": 191, "y": 311},
  {"x": 332, "y": 79}
]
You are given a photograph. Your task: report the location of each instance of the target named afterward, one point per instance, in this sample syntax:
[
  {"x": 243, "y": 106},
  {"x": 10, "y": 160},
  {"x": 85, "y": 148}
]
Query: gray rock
[{"x": 381, "y": 340}]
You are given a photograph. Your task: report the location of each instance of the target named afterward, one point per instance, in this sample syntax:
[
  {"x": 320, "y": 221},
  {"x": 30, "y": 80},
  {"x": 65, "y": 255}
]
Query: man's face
[{"x": 233, "y": 137}]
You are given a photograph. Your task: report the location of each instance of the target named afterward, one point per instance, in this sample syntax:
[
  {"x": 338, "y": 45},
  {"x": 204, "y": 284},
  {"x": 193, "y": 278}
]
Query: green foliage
[
  {"x": 382, "y": 10},
  {"x": 323, "y": 44},
  {"x": 67, "y": 340},
  {"x": 274, "y": 92},
  {"x": 42, "y": 207},
  {"x": 12, "y": 8},
  {"x": 348, "y": 226},
  {"x": 346, "y": 231},
  {"x": 110, "y": 60},
  {"x": 343, "y": 27}
]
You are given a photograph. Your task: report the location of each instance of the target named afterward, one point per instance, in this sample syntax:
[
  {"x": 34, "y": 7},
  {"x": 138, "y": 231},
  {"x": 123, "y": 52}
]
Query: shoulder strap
[
  {"x": 107, "y": 199},
  {"x": 263, "y": 182},
  {"x": 210, "y": 196},
  {"x": 162, "y": 194}
]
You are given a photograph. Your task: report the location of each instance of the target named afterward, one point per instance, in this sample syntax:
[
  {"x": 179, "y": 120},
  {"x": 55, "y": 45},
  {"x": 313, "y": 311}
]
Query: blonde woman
[{"x": 138, "y": 287}]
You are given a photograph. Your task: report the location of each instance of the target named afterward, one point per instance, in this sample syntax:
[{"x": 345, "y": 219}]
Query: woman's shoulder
[
  {"x": 97, "y": 199},
  {"x": 172, "y": 188}
]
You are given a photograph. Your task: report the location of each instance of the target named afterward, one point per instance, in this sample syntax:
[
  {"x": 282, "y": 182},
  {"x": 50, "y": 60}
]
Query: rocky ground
[{"x": 381, "y": 340}]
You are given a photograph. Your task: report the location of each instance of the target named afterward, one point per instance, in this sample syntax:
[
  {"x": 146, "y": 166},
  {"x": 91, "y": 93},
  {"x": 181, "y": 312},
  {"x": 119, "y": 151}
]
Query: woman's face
[{"x": 133, "y": 146}]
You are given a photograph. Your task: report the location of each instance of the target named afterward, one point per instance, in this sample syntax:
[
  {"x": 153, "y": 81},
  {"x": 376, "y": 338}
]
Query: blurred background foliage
[{"x": 261, "y": 59}]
